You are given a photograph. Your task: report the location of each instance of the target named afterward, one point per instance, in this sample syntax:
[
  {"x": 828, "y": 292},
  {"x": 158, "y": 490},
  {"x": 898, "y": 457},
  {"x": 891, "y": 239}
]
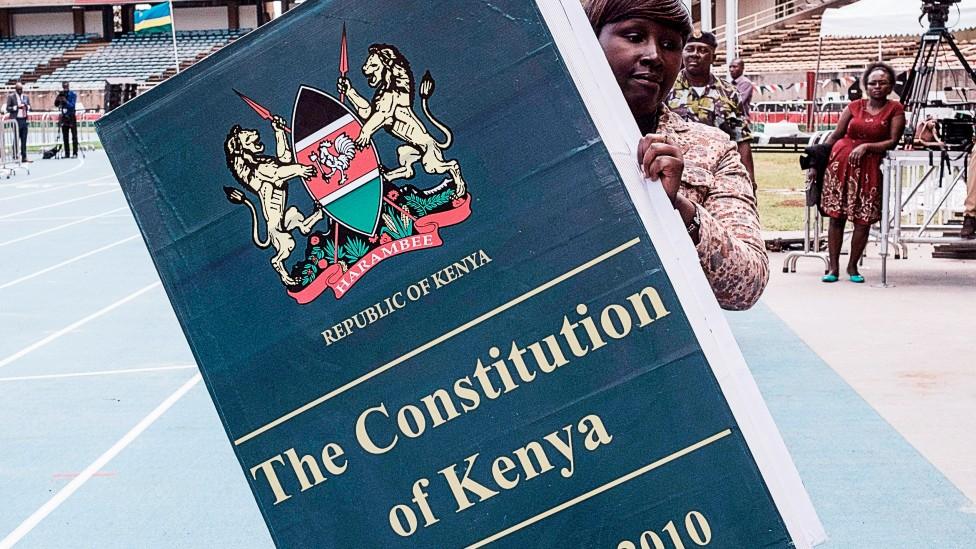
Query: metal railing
[
  {"x": 771, "y": 16},
  {"x": 45, "y": 131},
  {"x": 9, "y": 153}
]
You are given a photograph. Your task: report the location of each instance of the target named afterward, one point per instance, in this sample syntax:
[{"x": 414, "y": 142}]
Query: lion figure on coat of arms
[
  {"x": 267, "y": 177},
  {"x": 388, "y": 72}
]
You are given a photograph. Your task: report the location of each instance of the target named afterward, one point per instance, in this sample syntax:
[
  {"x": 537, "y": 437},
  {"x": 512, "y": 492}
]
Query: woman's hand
[
  {"x": 857, "y": 154},
  {"x": 663, "y": 161}
]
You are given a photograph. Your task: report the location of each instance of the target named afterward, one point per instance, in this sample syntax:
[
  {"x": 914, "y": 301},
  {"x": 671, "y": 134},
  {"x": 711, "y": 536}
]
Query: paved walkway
[{"x": 906, "y": 349}]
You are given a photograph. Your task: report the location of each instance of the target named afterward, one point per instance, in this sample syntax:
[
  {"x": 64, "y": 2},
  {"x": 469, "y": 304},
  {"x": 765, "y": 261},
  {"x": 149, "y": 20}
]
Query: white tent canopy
[{"x": 874, "y": 18}]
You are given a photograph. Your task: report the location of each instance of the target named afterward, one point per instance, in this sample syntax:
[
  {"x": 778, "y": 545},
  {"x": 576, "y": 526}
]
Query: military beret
[{"x": 704, "y": 37}]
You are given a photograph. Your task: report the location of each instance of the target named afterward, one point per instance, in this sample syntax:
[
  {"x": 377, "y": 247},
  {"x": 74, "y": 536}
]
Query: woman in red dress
[{"x": 867, "y": 129}]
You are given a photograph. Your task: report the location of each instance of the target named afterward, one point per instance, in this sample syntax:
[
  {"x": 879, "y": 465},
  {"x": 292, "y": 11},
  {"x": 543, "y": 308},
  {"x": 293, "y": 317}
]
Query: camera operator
[{"x": 66, "y": 101}]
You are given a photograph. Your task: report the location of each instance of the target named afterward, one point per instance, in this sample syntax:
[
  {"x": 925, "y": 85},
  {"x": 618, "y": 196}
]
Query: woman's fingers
[
  {"x": 664, "y": 163},
  {"x": 661, "y": 160},
  {"x": 654, "y": 151}
]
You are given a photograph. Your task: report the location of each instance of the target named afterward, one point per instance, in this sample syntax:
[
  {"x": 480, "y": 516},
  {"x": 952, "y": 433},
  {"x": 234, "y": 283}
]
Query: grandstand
[
  {"x": 781, "y": 43},
  {"x": 22, "y": 57},
  {"x": 146, "y": 58},
  {"x": 86, "y": 42},
  {"x": 793, "y": 47}
]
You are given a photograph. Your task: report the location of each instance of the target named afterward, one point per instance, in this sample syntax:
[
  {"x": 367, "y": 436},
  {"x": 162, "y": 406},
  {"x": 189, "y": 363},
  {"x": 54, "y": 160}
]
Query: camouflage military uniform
[
  {"x": 718, "y": 106},
  {"x": 731, "y": 248}
]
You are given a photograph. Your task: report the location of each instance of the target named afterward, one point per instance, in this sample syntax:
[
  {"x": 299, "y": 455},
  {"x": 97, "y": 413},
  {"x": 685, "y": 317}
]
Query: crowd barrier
[
  {"x": 10, "y": 162},
  {"x": 45, "y": 132}
]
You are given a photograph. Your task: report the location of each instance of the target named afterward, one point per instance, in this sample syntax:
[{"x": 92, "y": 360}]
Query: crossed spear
[{"x": 343, "y": 70}]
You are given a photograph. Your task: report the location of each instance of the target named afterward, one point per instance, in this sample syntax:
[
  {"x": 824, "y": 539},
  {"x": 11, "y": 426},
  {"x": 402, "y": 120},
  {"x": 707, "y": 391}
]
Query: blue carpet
[{"x": 871, "y": 488}]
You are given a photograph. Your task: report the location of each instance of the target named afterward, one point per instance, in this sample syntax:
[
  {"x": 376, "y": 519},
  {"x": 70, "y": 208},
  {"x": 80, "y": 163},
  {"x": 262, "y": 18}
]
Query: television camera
[
  {"x": 918, "y": 85},
  {"x": 937, "y": 12}
]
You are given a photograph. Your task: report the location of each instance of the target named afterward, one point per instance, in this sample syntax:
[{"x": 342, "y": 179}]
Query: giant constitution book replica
[{"x": 432, "y": 299}]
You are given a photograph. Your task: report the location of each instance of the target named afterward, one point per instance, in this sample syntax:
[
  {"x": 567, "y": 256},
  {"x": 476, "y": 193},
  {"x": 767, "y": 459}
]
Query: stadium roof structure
[{"x": 874, "y": 18}]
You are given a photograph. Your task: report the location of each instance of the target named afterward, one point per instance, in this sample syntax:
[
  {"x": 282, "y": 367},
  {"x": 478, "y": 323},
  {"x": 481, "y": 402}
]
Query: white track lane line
[
  {"x": 52, "y": 218},
  {"x": 59, "y": 227},
  {"x": 67, "y": 262},
  {"x": 69, "y": 170},
  {"x": 69, "y": 201},
  {"x": 56, "y": 188},
  {"x": 74, "y": 325},
  {"x": 97, "y": 465},
  {"x": 100, "y": 373}
]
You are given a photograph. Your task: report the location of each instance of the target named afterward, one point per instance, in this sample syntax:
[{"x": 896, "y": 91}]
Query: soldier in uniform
[{"x": 698, "y": 96}]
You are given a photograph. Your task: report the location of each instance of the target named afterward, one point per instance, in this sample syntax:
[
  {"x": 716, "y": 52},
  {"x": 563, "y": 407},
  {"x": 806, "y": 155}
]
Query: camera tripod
[{"x": 915, "y": 94}]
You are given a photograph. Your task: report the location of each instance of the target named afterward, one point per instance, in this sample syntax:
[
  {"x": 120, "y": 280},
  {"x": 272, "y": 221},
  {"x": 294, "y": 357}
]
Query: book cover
[{"x": 431, "y": 298}]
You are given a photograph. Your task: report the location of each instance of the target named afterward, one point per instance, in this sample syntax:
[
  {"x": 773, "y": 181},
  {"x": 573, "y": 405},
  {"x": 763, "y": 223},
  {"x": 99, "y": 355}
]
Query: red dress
[{"x": 854, "y": 191}]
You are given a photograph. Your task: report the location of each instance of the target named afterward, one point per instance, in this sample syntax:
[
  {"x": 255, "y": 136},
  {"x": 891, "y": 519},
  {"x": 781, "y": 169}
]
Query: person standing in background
[
  {"x": 66, "y": 101},
  {"x": 698, "y": 96},
  {"x": 852, "y": 189},
  {"x": 742, "y": 85},
  {"x": 18, "y": 107}
]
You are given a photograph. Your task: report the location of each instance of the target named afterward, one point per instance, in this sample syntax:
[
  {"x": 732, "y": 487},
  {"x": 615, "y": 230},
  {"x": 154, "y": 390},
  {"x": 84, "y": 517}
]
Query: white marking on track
[
  {"x": 53, "y": 218},
  {"x": 100, "y": 373},
  {"x": 46, "y": 206},
  {"x": 59, "y": 227},
  {"x": 44, "y": 510},
  {"x": 67, "y": 262},
  {"x": 69, "y": 170},
  {"x": 49, "y": 188},
  {"x": 75, "y": 325}
]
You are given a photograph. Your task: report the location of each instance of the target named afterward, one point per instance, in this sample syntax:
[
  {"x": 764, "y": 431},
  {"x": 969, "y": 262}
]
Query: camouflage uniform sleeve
[{"x": 731, "y": 249}]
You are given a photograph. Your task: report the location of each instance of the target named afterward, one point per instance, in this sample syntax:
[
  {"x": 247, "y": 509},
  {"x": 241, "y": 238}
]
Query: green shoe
[
  {"x": 829, "y": 278},
  {"x": 857, "y": 279}
]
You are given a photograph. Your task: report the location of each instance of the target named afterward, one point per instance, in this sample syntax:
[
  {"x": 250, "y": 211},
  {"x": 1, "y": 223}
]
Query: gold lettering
[
  {"x": 299, "y": 465},
  {"x": 592, "y": 426},
  {"x": 565, "y": 448},
  {"x": 330, "y": 452},
  {"x": 526, "y": 461},
  {"x": 655, "y": 301},
  {"x": 444, "y": 398},
  {"x": 623, "y": 317},
  {"x": 363, "y": 436},
  {"x": 267, "y": 467},
  {"x": 418, "y": 420},
  {"x": 590, "y": 328},
  {"x": 460, "y": 486},
  {"x": 501, "y": 466}
]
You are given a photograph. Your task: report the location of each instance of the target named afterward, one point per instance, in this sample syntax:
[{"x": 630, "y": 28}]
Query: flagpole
[{"x": 172, "y": 25}]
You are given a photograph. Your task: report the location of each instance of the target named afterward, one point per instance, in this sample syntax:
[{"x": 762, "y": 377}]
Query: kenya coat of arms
[{"x": 363, "y": 214}]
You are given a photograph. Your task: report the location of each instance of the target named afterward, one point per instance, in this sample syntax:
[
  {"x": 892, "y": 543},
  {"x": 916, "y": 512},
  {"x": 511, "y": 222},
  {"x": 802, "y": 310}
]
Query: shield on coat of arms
[{"x": 347, "y": 184}]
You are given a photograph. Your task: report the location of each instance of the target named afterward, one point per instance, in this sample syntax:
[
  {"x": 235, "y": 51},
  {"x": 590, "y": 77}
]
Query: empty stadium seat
[{"x": 142, "y": 57}]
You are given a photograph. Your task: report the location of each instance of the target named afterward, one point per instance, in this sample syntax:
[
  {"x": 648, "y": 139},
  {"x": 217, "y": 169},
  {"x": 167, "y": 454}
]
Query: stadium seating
[
  {"x": 143, "y": 57},
  {"x": 794, "y": 46},
  {"x": 23, "y": 54}
]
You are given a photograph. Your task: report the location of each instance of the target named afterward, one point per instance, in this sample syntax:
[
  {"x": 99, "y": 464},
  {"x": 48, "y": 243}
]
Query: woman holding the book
[{"x": 698, "y": 165}]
